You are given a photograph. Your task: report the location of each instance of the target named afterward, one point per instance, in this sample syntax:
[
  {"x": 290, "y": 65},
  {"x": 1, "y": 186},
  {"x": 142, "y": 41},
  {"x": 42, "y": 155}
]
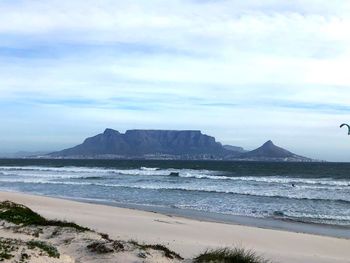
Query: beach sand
[{"x": 188, "y": 237}]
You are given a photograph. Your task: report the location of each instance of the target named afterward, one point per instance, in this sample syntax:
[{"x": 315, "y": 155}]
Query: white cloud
[{"x": 179, "y": 64}]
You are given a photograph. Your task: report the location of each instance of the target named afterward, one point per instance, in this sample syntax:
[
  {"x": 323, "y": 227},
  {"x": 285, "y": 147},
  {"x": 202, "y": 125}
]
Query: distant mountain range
[{"x": 170, "y": 144}]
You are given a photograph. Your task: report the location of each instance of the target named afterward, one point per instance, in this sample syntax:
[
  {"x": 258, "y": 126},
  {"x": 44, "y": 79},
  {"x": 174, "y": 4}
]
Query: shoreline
[
  {"x": 188, "y": 236},
  {"x": 336, "y": 231}
]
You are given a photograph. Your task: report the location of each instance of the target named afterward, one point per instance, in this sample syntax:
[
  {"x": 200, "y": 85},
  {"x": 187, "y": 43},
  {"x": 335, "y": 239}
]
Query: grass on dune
[
  {"x": 22, "y": 215},
  {"x": 49, "y": 249},
  {"x": 167, "y": 252},
  {"x": 228, "y": 255},
  {"x": 9, "y": 247}
]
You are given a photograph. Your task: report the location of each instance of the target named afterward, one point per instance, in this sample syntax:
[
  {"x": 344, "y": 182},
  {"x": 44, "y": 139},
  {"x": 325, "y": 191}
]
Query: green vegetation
[
  {"x": 100, "y": 247},
  {"x": 49, "y": 249},
  {"x": 167, "y": 252},
  {"x": 24, "y": 257},
  {"x": 7, "y": 246},
  {"x": 22, "y": 215},
  {"x": 5, "y": 255},
  {"x": 108, "y": 246},
  {"x": 227, "y": 255},
  {"x": 105, "y": 236},
  {"x": 19, "y": 214}
]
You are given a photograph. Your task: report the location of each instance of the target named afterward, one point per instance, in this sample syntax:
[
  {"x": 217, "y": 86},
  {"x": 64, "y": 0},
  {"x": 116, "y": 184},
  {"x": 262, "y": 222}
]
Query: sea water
[{"x": 304, "y": 192}]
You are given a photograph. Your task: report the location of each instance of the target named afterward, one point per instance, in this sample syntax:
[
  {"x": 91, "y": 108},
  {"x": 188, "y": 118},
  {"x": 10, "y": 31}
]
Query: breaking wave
[
  {"x": 294, "y": 197},
  {"x": 177, "y": 188},
  {"x": 101, "y": 173}
]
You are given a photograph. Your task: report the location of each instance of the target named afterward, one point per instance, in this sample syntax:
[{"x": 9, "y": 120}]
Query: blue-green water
[{"x": 307, "y": 192}]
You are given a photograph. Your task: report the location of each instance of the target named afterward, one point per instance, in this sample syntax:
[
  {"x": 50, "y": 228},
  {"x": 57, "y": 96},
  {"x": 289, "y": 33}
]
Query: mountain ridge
[
  {"x": 142, "y": 142},
  {"x": 170, "y": 144}
]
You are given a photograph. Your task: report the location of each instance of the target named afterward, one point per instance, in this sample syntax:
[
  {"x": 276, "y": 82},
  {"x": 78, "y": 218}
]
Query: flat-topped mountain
[
  {"x": 146, "y": 142},
  {"x": 170, "y": 144}
]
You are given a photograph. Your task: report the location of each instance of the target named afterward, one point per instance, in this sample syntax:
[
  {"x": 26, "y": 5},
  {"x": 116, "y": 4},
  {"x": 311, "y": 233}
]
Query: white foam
[{"x": 149, "y": 168}]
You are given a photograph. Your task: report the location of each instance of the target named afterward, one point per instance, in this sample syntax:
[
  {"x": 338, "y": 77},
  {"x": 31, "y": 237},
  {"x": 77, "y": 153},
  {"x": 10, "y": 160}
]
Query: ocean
[{"x": 301, "y": 192}]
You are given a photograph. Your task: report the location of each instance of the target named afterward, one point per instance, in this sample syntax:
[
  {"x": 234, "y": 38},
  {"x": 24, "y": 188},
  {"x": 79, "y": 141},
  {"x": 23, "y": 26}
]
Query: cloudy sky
[{"x": 242, "y": 71}]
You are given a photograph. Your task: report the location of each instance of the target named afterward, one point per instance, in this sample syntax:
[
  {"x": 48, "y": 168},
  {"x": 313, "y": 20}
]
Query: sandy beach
[{"x": 186, "y": 236}]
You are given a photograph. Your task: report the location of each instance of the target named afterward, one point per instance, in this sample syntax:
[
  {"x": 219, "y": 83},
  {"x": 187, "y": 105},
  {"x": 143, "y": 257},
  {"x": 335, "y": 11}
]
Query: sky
[{"x": 242, "y": 71}]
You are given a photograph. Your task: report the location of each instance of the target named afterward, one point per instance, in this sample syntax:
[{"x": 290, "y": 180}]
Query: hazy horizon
[{"x": 243, "y": 72}]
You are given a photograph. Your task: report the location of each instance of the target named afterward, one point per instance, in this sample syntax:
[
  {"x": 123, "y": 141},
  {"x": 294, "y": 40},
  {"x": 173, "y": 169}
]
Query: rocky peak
[
  {"x": 268, "y": 149},
  {"x": 109, "y": 131}
]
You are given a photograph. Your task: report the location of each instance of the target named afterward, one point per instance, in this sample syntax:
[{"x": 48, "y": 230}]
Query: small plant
[
  {"x": 49, "y": 249},
  {"x": 55, "y": 232},
  {"x": 106, "y": 246},
  {"x": 100, "y": 247},
  {"x": 24, "y": 257},
  {"x": 167, "y": 252},
  {"x": 118, "y": 246},
  {"x": 227, "y": 255},
  {"x": 5, "y": 255},
  {"x": 7, "y": 246},
  {"x": 66, "y": 224},
  {"x": 105, "y": 236}
]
